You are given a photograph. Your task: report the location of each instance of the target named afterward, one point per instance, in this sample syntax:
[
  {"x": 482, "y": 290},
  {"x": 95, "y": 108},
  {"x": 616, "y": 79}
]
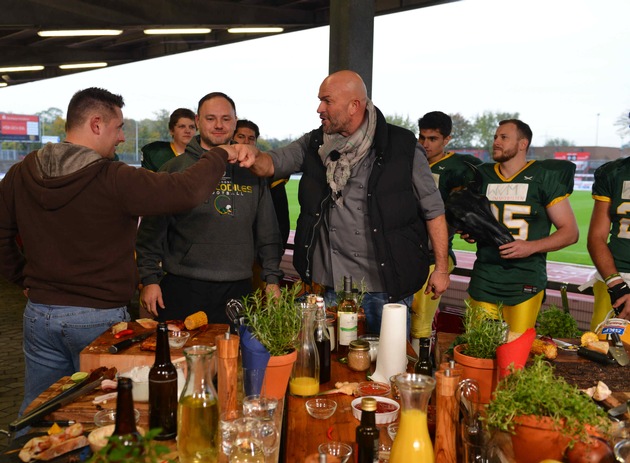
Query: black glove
[{"x": 615, "y": 293}]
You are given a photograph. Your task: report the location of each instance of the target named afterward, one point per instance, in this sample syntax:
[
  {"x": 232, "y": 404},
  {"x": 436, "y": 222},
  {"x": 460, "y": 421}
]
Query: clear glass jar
[{"x": 359, "y": 355}]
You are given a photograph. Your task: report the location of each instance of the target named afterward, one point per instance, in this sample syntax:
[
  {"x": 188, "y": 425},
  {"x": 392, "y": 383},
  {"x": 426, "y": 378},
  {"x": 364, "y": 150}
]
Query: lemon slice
[{"x": 79, "y": 376}]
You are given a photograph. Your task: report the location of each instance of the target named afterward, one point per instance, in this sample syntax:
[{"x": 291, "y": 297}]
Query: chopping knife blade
[
  {"x": 114, "y": 349},
  {"x": 618, "y": 351},
  {"x": 595, "y": 356}
]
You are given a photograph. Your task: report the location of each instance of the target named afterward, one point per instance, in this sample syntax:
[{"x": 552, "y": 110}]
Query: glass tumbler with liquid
[{"x": 198, "y": 412}]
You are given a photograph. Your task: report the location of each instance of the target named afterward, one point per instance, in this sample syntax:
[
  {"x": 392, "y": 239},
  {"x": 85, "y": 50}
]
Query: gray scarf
[{"x": 349, "y": 152}]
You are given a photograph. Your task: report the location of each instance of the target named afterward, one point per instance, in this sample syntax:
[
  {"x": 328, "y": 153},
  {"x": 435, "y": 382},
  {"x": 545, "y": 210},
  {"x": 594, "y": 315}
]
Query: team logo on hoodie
[{"x": 223, "y": 205}]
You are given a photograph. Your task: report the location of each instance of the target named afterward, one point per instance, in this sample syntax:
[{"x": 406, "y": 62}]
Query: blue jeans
[
  {"x": 54, "y": 336},
  {"x": 373, "y": 307}
]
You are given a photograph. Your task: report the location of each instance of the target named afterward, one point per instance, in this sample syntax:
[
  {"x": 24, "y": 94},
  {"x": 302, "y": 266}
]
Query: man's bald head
[{"x": 343, "y": 99}]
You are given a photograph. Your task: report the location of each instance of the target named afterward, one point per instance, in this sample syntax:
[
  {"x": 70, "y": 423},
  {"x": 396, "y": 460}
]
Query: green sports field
[{"x": 581, "y": 202}]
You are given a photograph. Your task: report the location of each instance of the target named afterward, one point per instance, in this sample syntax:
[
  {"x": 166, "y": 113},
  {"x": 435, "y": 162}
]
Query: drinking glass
[
  {"x": 249, "y": 440},
  {"x": 337, "y": 449},
  {"x": 260, "y": 407}
]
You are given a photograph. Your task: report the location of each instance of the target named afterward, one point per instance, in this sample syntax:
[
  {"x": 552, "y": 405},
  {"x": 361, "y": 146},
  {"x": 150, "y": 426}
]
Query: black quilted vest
[{"x": 396, "y": 223}]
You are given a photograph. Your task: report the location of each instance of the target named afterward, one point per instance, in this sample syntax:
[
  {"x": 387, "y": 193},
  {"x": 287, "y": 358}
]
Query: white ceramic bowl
[{"x": 381, "y": 418}]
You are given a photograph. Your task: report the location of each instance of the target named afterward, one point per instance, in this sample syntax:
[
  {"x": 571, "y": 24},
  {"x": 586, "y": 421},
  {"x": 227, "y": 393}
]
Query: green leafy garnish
[{"x": 557, "y": 323}]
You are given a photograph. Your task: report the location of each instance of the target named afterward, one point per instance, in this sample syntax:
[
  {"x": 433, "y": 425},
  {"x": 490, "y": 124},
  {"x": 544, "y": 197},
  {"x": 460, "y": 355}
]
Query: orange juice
[
  {"x": 412, "y": 442},
  {"x": 304, "y": 386}
]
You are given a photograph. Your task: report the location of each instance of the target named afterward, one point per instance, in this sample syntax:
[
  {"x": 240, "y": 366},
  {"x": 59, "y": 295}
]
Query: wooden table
[{"x": 303, "y": 433}]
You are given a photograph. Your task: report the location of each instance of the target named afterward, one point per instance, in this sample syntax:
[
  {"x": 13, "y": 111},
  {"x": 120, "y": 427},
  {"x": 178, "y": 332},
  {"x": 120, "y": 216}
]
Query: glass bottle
[
  {"x": 322, "y": 341},
  {"x": 125, "y": 427},
  {"x": 367, "y": 433},
  {"x": 163, "y": 388},
  {"x": 305, "y": 374},
  {"x": 198, "y": 410},
  {"x": 413, "y": 442},
  {"x": 347, "y": 319},
  {"x": 424, "y": 366}
]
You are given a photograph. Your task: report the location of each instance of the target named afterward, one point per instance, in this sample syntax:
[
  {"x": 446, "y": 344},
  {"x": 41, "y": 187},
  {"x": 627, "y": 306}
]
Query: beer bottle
[
  {"x": 163, "y": 388},
  {"x": 125, "y": 427}
]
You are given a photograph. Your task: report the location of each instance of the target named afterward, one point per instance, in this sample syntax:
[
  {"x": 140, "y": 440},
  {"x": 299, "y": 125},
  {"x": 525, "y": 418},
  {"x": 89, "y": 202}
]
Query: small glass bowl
[
  {"x": 337, "y": 449},
  {"x": 372, "y": 388},
  {"x": 108, "y": 416},
  {"x": 177, "y": 339},
  {"x": 322, "y": 409}
]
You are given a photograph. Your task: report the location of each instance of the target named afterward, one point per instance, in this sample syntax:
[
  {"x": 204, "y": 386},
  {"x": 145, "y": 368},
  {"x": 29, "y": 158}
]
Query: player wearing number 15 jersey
[
  {"x": 528, "y": 197},
  {"x": 611, "y": 216}
]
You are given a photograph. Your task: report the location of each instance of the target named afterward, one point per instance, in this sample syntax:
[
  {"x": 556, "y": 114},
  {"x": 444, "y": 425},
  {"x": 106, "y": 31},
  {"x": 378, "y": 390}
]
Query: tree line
[{"x": 474, "y": 133}]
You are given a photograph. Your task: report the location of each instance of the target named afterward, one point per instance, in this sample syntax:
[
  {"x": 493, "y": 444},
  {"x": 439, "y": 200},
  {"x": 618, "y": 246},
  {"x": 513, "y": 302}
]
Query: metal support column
[{"x": 352, "y": 38}]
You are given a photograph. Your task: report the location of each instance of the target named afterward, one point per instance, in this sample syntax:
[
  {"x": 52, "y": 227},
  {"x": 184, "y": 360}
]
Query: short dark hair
[
  {"x": 249, "y": 125},
  {"x": 212, "y": 95},
  {"x": 436, "y": 120},
  {"x": 89, "y": 99},
  {"x": 178, "y": 114},
  {"x": 522, "y": 129}
]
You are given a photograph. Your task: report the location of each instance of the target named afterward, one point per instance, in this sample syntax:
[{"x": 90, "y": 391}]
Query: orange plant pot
[
  {"x": 536, "y": 438},
  {"x": 484, "y": 371},
  {"x": 277, "y": 375}
]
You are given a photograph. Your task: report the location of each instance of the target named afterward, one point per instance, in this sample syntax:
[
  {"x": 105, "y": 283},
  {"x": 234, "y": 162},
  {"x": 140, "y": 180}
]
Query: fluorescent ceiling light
[
  {"x": 79, "y": 33},
  {"x": 82, "y": 65},
  {"x": 196, "y": 30},
  {"x": 22, "y": 68},
  {"x": 3, "y": 84},
  {"x": 254, "y": 30}
]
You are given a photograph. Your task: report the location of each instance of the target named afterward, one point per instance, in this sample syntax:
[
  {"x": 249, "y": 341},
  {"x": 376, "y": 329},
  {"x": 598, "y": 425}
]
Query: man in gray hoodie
[
  {"x": 76, "y": 213},
  {"x": 199, "y": 259}
]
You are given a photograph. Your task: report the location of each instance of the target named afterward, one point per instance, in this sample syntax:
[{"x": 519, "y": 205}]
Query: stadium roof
[{"x": 22, "y": 20}]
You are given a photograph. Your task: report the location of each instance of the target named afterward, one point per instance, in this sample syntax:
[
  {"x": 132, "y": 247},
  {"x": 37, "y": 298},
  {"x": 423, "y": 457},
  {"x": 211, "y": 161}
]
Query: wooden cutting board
[{"x": 97, "y": 353}]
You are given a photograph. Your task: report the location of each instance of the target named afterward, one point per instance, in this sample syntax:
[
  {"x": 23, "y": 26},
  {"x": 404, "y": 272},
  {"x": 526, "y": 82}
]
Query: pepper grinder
[
  {"x": 227, "y": 371},
  {"x": 446, "y": 418}
]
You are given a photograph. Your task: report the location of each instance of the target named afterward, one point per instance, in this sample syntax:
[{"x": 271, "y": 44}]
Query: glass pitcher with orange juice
[
  {"x": 412, "y": 442},
  {"x": 304, "y": 380}
]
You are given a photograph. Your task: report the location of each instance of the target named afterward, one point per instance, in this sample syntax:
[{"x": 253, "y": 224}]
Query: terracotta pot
[
  {"x": 484, "y": 371},
  {"x": 536, "y": 438},
  {"x": 277, "y": 375}
]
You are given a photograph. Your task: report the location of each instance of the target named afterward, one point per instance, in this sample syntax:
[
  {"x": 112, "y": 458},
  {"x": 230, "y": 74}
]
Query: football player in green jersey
[
  {"x": 611, "y": 216},
  {"x": 450, "y": 172},
  {"x": 528, "y": 197}
]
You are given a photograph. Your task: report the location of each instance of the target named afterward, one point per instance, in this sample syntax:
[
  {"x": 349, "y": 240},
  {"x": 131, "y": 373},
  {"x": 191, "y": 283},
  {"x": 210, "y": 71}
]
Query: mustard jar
[{"x": 359, "y": 355}]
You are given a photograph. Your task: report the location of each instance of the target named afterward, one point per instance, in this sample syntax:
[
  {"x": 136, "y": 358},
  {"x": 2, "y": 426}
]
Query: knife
[
  {"x": 114, "y": 349},
  {"x": 618, "y": 351},
  {"x": 595, "y": 356},
  {"x": 64, "y": 398}
]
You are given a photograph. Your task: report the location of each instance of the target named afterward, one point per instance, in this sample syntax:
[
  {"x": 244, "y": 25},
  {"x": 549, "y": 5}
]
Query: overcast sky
[{"x": 559, "y": 63}]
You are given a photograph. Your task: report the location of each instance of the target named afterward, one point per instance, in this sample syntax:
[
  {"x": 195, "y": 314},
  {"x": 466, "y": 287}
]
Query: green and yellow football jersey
[
  {"x": 520, "y": 203},
  {"x": 612, "y": 185}
]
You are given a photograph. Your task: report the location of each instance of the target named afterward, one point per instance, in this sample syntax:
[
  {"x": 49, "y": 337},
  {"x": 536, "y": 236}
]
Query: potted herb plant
[
  {"x": 477, "y": 348},
  {"x": 275, "y": 322},
  {"x": 544, "y": 414}
]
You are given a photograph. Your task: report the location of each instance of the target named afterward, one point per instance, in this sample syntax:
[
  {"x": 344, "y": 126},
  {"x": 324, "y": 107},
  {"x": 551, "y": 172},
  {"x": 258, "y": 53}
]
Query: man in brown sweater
[{"x": 76, "y": 212}]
